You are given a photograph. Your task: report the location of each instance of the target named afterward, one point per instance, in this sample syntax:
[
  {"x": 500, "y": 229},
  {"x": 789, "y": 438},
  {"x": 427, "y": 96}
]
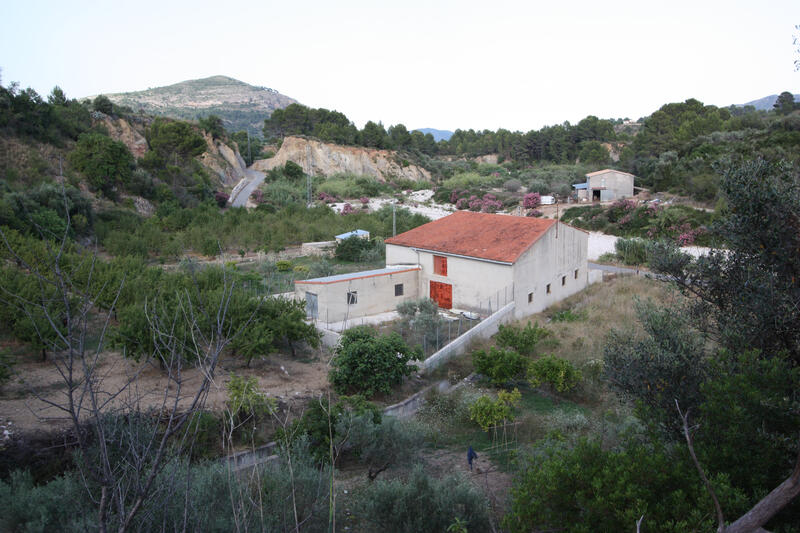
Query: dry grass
[{"x": 600, "y": 308}]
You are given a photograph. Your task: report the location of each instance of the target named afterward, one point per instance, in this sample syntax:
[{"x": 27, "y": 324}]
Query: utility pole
[
  {"x": 394, "y": 220},
  {"x": 249, "y": 154}
]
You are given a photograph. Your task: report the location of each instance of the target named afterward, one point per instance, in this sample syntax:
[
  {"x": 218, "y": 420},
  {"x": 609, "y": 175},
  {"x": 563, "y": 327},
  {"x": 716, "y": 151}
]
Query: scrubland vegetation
[{"x": 596, "y": 415}]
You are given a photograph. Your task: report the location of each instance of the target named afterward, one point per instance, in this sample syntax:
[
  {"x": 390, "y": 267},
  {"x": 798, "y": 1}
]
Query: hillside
[
  {"x": 240, "y": 105},
  {"x": 766, "y": 103},
  {"x": 438, "y": 135}
]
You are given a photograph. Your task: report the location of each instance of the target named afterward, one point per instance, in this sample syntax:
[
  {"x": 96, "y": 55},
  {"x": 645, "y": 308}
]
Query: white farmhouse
[
  {"x": 468, "y": 261},
  {"x": 479, "y": 262}
]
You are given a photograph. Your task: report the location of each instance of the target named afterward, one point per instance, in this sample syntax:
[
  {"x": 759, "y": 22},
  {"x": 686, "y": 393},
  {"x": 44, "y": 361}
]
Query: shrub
[
  {"x": 522, "y": 340},
  {"x": 380, "y": 444},
  {"x": 246, "y": 401},
  {"x": 512, "y": 185},
  {"x": 369, "y": 363},
  {"x": 488, "y": 413},
  {"x": 500, "y": 366},
  {"x": 532, "y": 200},
  {"x": 283, "y": 265},
  {"x": 568, "y": 315},
  {"x": 612, "y": 489},
  {"x": 320, "y": 421},
  {"x": 421, "y": 504},
  {"x": 351, "y": 248},
  {"x": 555, "y": 372},
  {"x": 632, "y": 251}
]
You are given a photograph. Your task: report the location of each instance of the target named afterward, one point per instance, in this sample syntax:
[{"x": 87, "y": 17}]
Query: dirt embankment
[{"x": 326, "y": 159}]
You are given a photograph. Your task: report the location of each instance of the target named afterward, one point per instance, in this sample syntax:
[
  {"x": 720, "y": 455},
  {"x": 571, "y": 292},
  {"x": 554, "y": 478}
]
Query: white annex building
[{"x": 467, "y": 261}]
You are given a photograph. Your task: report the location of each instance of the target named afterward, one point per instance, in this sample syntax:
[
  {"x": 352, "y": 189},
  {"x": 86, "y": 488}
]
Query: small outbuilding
[
  {"x": 605, "y": 186},
  {"x": 360, "y": 233}
]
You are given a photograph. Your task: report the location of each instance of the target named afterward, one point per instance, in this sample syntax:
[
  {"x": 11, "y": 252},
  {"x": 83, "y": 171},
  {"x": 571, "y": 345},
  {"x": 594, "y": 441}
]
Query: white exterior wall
[
  {"x": 475, "y": 283},
  {"x": 374, "y": 295},
  {"x": 617, "y": 185},
  {"x": 554, "y": 256}
]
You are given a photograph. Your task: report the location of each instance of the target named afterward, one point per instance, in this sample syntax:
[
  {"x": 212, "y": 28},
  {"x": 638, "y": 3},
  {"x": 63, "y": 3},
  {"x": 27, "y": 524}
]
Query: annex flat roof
[
  {"x": 581, "y": 186},
  {"x": 350, "y": 276},
  {"x": 501, "y": 238}
]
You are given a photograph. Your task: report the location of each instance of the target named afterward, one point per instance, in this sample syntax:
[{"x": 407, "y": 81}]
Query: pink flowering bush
[
  {"x": 462, "y": 203},
  {"x": 364, "y": 201},
  {"x": 327, "y": 198},
  {"x": 532, "y": 200},
  {"x": 347, "y": 209},
  {"x": 257, "y": 196}
]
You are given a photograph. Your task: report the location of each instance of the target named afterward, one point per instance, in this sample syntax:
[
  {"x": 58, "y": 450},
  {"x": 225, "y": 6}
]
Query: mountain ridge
[{"x": 241, "y": 106}]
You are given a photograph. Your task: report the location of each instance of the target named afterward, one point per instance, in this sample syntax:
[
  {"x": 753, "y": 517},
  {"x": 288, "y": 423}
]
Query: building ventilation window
[
  {"x": 439, "y": 265},
  {"x": 548, "y": 288},
  {"x": 398, "y": 289},
  {"x": 576, "y": 273},
  {"x": 352, "y": 297},
  {"x": 530, "y": 297},
  {"x": 563, "y": 280}
]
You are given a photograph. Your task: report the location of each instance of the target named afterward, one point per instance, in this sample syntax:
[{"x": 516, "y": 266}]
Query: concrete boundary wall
[
  {"x": 237, "y": 189},
  {"x": 484, "y": 330}
]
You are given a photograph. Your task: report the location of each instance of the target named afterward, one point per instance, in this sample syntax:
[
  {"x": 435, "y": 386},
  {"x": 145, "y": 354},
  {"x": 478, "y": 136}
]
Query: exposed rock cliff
[
  {"x": 121, "y": 130},
  {"x": 219, "y": 158},
  {"x": 319, "y": 158},
  {"x": 224, "y": 161}
]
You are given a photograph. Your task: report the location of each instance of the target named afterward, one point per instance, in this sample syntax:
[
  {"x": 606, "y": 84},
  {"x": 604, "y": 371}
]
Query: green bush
[
  {"x": 500, "y": 366},
  {"x": 421, "y": 504},
  {"x": 555, "y": 372},
  {"x": 318, "y": 425},
  {"x": 568, "y": 315},
  {"x": 283, "y": 265},
  {"x": 488, "y": 413},
  {"x": 353, "y": 248},
  {"x": 588, "y": 488},
  {"x": 368, "y": 363},
  {"x": 522, "y": 340},
  {"x": 632, "y": 251},
  {"x": 245, "y": 401}
]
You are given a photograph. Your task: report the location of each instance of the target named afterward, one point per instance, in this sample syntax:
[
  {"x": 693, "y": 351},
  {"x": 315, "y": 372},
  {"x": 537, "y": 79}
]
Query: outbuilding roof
[
  {"x": 607, "y": 170},
  {"x": 354, "y": 233},
  {"x": 501, "y": 238}
]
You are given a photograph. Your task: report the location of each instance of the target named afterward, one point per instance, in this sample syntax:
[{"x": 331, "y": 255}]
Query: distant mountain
[
  {"x": 238, "y": 104},
  {"x": 438, "y": 135},
  {"x": 767, "y": 102}
]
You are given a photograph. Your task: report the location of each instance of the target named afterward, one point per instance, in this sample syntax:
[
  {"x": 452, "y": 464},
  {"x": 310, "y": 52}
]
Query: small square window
[
  {"x": 398, "y": 289},
  {"x": 563, "y": 280},
  {"x": 530, "y": 297},
  {"x": 548, "y": 288},
  {"x": 576, "y": 273},
  {"x": 352, "y": 297}
]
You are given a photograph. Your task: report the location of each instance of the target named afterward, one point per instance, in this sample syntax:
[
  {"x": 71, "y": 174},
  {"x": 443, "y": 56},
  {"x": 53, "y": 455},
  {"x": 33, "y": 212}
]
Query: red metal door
[{"x": 442, "y": 294}]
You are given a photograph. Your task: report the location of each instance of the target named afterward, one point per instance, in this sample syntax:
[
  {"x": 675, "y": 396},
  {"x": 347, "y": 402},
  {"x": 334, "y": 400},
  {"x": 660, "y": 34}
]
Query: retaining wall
[{"x": 484, "y": 330}]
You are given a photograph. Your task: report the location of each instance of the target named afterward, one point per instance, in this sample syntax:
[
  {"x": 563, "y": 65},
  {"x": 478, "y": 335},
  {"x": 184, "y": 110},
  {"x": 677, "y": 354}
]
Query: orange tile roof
[{"x": 494, "y": 237}]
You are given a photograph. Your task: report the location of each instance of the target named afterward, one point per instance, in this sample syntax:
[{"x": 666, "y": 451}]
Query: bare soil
[{"x": 290, "y": 381}]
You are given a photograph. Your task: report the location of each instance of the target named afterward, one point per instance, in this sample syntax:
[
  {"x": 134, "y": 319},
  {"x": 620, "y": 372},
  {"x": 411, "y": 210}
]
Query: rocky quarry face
[{"x": 319, "y": 158}]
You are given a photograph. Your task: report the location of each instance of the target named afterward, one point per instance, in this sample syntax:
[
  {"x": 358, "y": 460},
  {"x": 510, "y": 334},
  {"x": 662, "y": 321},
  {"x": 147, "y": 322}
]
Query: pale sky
[{"x": 518, "y": 65}]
